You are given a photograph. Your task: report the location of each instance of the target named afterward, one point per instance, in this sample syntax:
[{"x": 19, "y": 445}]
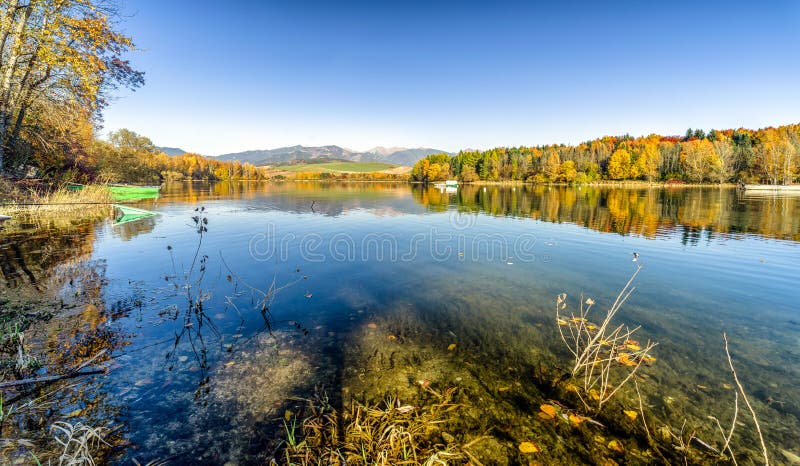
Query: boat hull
[{"x": 773, "y": 187}]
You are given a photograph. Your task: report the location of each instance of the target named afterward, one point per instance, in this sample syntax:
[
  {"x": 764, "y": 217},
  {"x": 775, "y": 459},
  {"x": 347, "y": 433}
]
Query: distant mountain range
[
  {"x": 173, "y": 151},
  {"x": 394, "y": 155}
]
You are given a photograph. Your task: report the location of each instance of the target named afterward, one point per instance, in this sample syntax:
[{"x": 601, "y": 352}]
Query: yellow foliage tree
[{"x": 619, "y": 165}]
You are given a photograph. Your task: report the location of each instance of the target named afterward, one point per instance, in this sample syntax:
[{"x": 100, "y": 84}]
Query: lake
[{"x": 237, "y": 301}]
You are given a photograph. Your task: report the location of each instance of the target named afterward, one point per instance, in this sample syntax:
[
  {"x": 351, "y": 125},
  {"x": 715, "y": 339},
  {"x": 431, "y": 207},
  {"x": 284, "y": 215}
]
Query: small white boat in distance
[
  {"x": 778, "y": 188},
  {"x": 447, "y": 184}
]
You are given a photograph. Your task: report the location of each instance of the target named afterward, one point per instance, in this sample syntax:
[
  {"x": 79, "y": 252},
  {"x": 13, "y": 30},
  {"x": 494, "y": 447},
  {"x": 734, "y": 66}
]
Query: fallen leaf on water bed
[
  {"x": 702, "y": 387},
  {"x": 576, "y": 419},
  {"x": 451, "y": 347},
  {"x": 616, "y": 445},
  {"x": 528, "y": 447},
  {"x": 503, "y": 389},
  {"x": 372, "y": 325},
  {"x": 549, "y": 410},
  {"x": 727, "y": 386},
  {"x": 391, "y": 338},
  {"x": 631, "y": 414},
  {"x": 625, "y": 360},
  {"x": 562, "y": 322},
  {"x": 229, "y": 363},
  {"x": 594, "y": 395}
]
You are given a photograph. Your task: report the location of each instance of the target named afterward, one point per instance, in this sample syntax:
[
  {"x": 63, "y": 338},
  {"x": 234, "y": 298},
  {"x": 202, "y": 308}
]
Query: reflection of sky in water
[{"x": 688, "y": 293}]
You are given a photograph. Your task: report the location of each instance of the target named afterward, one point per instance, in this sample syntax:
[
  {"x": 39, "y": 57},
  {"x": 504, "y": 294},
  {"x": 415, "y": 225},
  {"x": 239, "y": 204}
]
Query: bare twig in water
[
  {"x": 746, "y": 402},
  {"x": 74, "y": 372}
]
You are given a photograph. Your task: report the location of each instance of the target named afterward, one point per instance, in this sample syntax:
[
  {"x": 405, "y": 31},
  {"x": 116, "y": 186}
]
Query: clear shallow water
[{"x": 479, "y": 268}]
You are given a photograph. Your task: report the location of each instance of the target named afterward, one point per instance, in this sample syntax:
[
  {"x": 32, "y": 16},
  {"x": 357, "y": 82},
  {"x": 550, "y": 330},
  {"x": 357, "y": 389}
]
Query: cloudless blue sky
[{"x": 237, "y": 75}]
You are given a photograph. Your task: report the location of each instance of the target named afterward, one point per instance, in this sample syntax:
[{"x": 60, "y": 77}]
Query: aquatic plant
[{"x": 605, "y": 357}]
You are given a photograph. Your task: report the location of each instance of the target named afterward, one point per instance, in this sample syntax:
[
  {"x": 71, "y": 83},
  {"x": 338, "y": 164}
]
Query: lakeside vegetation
[{"x": 768, "y": 155}]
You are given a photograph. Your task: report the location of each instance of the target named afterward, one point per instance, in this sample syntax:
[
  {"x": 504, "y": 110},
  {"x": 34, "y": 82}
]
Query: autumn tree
[
  {"x": 619, "y": 165},
  {"x": 60, "y": 58},
  {"x": 776, "y": 156},
  {"x": 552, "y": 165},
  {"x": 568, "y": 171},
  {"x": 698, "y": 159},
  {"x": 468, "y": 174},
  {"x": 648, "y": 159}
]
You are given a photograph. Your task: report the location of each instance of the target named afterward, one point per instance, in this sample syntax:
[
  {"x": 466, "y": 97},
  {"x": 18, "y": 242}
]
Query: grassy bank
[{"x": 40, "y": 198}]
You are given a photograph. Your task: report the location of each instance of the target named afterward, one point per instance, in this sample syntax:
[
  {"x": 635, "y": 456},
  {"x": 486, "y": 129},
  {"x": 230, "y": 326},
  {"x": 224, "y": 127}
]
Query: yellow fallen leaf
[
  {"x": 391, "y": 338},
  {"x": 625, "y": 360},
  {"x": 575, "y": 419},
  {"x": 549, "y": 410},
  {"x": 372, "y": 325},
  {"x": 631, "y": 414},
  {"x": 562, "y": 322},
  {"x": 503, "y": 389},
  {"x": 229, "y": 363},
  {"x": 593, "y": 394},
  {"x": 702, "y": 387},
  {"x": 571, "y": 387},
  {"x": 528, "y": 447},
  {"x": 616, "y": 445},
  {"x": 451, "y": 347},
  {"x": 727, "y": 386}
]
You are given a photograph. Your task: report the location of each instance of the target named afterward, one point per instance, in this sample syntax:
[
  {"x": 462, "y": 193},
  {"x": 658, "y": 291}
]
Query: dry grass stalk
[
  {"x": 77, "y": 442},
  {"x": 600, "y": 350},
  {"x": 387, "y": 434},
  {"x": 63, "y": 200}
]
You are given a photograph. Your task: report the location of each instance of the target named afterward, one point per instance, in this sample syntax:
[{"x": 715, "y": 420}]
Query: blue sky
[{"x": 231, "y": 76}]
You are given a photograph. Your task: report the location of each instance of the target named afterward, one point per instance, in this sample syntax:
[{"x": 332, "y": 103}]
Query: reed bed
[{"x": 62, "y": 200}]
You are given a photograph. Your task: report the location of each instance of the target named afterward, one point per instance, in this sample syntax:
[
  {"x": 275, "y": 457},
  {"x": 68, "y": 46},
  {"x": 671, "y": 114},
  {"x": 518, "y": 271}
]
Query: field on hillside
[{"x": 337, "y": 167}]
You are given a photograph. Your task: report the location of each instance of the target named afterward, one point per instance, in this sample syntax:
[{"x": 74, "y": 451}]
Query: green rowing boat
[
  {"x": 125, "y": 214},
  {"x": 133, "y": 193},
  {"x": 126, "y": 192}
]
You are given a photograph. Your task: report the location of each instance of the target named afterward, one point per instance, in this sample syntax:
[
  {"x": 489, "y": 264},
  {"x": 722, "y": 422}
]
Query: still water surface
[{"x": 359, "y": 268}]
